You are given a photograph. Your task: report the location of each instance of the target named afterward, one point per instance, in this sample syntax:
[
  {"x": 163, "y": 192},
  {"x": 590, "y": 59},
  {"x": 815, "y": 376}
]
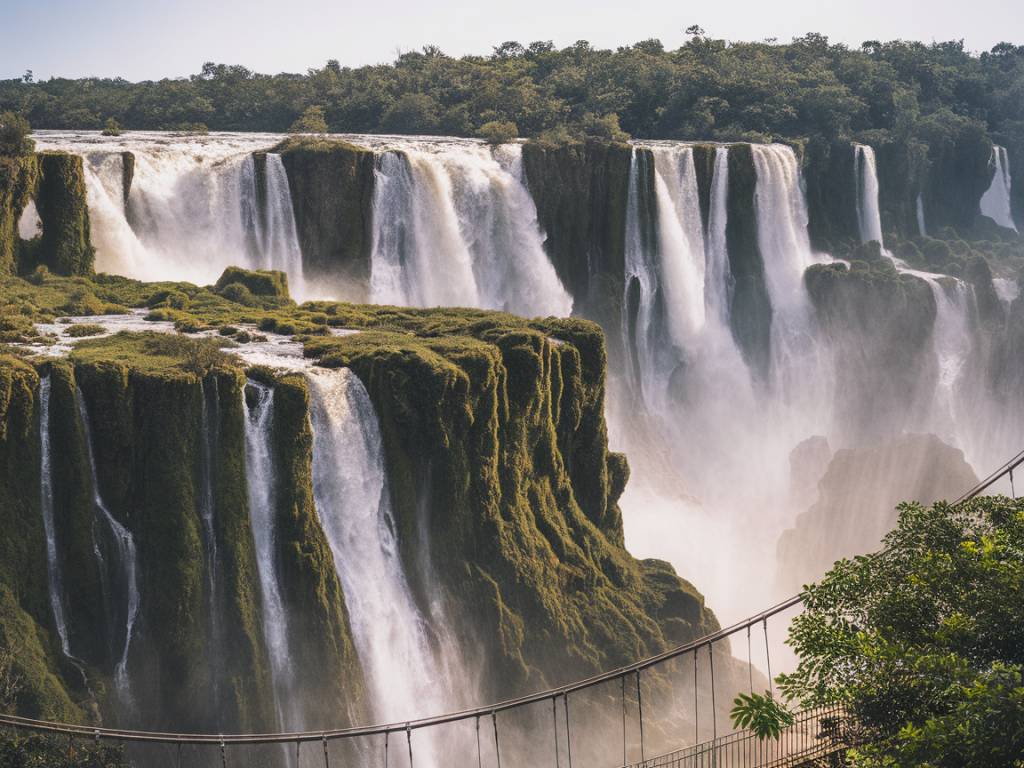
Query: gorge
[{"x": 416, "y": 502}]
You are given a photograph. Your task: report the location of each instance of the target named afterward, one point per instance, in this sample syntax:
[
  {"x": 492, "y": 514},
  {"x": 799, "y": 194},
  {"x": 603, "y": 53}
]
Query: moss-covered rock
[
  {"x": 505, "y": 494},
  {"x": 19, "y": 177},
  {"x": 750, "y": 311},
  {"x": 65, "y": 247},
  {"x": 581, "y": 190},
  {"x": 332, "y": 187},
  {"x": 704, "y": 164},
  {"x": 127, "y": 175},
  {"x": 903, "y": 175},
  {"x": 830, "y": 174},
  {"x": 878, "y": 325},
  {"x": 27, "y": 631},
  {"x": 269, "y": 283},
  {"x": 504, "y": 489}
]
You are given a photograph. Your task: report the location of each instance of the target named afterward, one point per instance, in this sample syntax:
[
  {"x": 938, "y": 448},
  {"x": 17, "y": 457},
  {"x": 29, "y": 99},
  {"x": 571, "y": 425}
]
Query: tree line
[{"x": 707, "y": 88}]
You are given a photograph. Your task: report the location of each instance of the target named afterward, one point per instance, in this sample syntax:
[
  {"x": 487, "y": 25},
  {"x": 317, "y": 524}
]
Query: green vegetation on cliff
[{"x": 504, "y": 491}]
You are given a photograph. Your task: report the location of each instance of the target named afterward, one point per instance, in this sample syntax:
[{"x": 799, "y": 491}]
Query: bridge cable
[
  {"x": 640, "y": 712},
  {"x": 479, "y": 754},
  {"x": 568, "y": 732},
  {"x": 386, "y": 739},
  {"x": 768, "y": 656},
  {"x": 497, "y": 748},
  {"x": 750, "y": 663},
  {"x": 408, "y": 741},
  {"x": 714, "y": 712},
  {"x": 327, "y": 758},
  {"x": 696, "y": 702},
  {"x": 625, "y": 760},
  {"x": 224, "y": 754},
  {"x": 554, "y": 725}
]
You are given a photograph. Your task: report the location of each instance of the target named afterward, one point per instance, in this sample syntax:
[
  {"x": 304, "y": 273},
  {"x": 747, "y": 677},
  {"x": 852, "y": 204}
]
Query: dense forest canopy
[{"x": 708, "y": 88}]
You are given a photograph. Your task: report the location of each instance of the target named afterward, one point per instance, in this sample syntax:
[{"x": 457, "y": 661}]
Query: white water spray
[
  {"x": 53, "y": 571},
  {"x": 869, "y": 218},
  {"x": 995, "y": 203},
  {"x": 392, "y": 637},
  {"x": 262, "y": 479},
  {"x": 193, "y": 208},
  {"x": 454, "y": 225}
]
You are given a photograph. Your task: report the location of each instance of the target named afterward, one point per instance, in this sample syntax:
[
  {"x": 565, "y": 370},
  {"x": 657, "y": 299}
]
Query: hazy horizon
[{"x": 113, "y": 38}]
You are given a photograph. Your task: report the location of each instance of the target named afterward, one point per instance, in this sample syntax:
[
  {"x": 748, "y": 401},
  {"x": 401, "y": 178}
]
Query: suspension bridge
[{"x": 815, "y": 734}]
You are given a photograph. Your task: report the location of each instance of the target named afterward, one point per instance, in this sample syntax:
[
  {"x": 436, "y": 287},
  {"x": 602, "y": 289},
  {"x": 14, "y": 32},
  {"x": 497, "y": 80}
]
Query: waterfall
[
  {"x": 392, "y": 637},
  {"x": 193, "y": 208},
  {"x": 667, "y": 264},
  {"x": 279, "y": 240},
  {"x": 869, "y": 220},
  {"x": 29, "y": 223},
  {"x": 261, "y": 478},
  {"x": 54, "y": 577},
  {"x": 995, "y": 203},
  {"x": 454, "y": 225},
  {"x": 718, "y": 285},
  {"x": 921, "y": 228},
  {"x": 781, "y": 210},
  {"x": 127, "y": 559}
]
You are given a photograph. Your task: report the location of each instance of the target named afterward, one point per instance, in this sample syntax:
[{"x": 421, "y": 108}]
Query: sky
[{"x": 152, "y": 39}]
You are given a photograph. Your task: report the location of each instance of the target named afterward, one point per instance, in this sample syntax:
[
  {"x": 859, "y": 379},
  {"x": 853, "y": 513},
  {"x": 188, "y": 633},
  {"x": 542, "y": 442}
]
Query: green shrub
[
  {"x": 263, "y": 282},
  {"x": 81, "y": 330},
  {"x": 312, "y": 120},
  {"x": 239, "y": 294},
  {"x": 15, "y": 139},
  {"x": 168, "y": 298},
  {"x": 111, "y": 127},
  {"x": 498, "y": 132}
]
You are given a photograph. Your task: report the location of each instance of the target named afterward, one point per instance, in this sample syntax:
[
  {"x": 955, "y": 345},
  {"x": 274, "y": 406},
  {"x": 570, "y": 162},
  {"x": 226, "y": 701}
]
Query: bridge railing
[
  {"x": 564, "y": 738},
  {"x": 814, "y": 733}
]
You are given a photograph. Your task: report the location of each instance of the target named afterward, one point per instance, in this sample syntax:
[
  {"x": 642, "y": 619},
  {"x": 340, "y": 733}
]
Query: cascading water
[
  {"x": 127, "y": 560},
  {"x": 193, "y": 208},
  {"x": 392, "y": 637},
  {"x": 718, "y": 285},
  {"x": 261, "y": 478},
  {"x": 278, "y": 237},
  {"x": 995, "y": 203},
  {"x": 921, "y": 228},
  {"x": 869, "y": 218},
  {"x": 781, "y": 209},
  {"x": 454, "y": 225},
  {"x": 665, "y": 267},
  {"x": 29, "y": 224},
  {"x": 53, "y": 571}
]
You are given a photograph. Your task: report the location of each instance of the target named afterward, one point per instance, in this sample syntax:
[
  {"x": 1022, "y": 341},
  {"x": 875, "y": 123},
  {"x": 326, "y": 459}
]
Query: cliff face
[
  {"x": 505, "y": 497},
  {"x": 332, "y": 186},
  {"x": 581, "y": 191},
  {"x": 55, "y": 181},
  {"x": 500, "y": 475},
  {"x": 750, "y": 311},
  {"x": 879, "y": 326}
]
